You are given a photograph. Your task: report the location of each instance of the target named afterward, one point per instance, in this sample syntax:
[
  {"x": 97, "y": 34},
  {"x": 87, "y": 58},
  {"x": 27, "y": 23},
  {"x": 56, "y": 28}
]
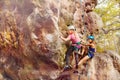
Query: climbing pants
[{"x": 69, "y": 52}]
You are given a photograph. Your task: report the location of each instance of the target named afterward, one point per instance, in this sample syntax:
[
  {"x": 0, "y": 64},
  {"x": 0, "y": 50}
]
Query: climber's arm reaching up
[{"x": 65, "y": 39}]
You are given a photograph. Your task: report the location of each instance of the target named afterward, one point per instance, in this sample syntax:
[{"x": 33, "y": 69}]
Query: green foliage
[
  {"x": 62, "y": 56},
  {"x": 110, "y": 13}
]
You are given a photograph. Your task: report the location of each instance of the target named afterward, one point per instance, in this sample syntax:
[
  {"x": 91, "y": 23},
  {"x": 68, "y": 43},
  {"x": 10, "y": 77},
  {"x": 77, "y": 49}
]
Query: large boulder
[
  {"x": 104, "y": 66},
  {"x": 33, "y": 28}
]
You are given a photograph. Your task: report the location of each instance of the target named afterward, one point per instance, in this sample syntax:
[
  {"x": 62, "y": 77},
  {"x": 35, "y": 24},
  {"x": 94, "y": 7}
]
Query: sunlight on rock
[
  {"x": 30, "y": 47},
  {"x": 50, "y": 37}
]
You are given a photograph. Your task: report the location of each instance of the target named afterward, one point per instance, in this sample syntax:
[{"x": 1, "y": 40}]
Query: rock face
[
  {"x": 103, "y": 66},
  {"x": 30, "y": 47}
]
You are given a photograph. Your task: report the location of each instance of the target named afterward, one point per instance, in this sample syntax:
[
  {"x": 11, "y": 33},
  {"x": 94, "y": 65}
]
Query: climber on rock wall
[
  {"x": 91, "y": 50},
  {"x": 75, "y": 46}
]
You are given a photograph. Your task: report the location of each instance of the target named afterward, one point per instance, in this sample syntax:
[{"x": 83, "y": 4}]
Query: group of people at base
[{"x": 76, "y": 46}]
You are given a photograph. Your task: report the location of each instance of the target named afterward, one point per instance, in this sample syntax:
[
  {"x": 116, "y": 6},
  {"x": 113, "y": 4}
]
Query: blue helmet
[{"x": 91, "y": 37}]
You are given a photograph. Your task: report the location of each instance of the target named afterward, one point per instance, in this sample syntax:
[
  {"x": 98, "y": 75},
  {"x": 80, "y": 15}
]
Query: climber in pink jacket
[{"x": 75, "y": 46}]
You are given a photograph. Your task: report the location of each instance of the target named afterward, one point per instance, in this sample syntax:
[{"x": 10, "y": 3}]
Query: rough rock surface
[
  {"x": 103, "y": 66},
  {"x": 30, "y": 47}
]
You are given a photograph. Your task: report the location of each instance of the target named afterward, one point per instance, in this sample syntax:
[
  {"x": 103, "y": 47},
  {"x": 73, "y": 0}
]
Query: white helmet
[{"x": 71, "y": 27}]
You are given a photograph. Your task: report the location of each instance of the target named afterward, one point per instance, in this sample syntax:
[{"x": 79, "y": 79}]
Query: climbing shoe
[{"x": 67, "y": 67}]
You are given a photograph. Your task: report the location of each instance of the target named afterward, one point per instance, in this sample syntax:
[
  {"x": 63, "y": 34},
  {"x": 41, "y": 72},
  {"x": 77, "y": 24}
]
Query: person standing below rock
[
  {"x": 75, "y": 46},
  {"x": 91, "y": 50}
]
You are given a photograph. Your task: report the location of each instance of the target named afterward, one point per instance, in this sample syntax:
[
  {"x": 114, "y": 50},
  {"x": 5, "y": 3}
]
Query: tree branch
[
  {"x": 107, "y": 31},
  {"x": 113, "y": 23},
  {"x": 103, "y": 1}
]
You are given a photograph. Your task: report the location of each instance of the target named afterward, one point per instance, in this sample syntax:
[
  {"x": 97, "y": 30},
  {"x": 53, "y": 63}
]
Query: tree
[{"x": 109, "y": 10}]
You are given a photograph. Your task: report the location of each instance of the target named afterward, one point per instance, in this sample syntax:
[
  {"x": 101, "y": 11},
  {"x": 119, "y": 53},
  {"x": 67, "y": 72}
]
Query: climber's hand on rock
[{"x": 60, "y": 36}]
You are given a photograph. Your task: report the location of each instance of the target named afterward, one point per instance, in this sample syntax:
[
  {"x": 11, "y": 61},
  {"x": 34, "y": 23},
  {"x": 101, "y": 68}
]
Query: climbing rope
[
  {"x": 79, "y": 76},
  {"x": 83, "y": 19},
  {"x": 88, "y": 76}
]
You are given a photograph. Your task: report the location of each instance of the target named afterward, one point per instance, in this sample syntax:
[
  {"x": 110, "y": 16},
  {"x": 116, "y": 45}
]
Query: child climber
[
  {"x": 75, "y": 46},
  {"x": 91, "y": 50}
]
